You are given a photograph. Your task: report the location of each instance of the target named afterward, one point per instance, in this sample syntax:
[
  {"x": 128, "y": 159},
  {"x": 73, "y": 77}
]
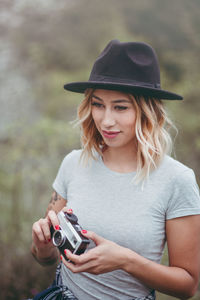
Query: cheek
[
  {"x": 129, "y": 122},
  {"x": 96, "y": 117},
  {"x": 97, "y": 114}
]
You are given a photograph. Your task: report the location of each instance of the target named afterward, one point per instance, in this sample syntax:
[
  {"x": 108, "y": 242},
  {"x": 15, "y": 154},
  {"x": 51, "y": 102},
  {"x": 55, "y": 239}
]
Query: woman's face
[{"x": 114, "y": 116}]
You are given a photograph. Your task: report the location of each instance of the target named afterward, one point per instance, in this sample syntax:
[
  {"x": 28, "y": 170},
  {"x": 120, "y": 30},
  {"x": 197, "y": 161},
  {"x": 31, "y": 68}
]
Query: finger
[
  {"x": 76, "y": 259},
  {"x": 76, "y": 268},
  {"x": 97, "y": 239},
  {"x": 52, "y": 218},
  {"x": 45, "y": 229},
  {"x": 68, "y": 264},
  {"x": 37, "y": 233},
  {"x": 83, "y": 258},
  {"x": 67, "y": 210}
]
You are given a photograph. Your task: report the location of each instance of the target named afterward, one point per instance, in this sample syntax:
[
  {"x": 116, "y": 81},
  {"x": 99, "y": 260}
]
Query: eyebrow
[{"x": 114, "y": 101}]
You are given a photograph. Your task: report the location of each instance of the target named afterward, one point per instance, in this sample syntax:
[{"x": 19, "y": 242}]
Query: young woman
[{"x": 130, "y": 196}]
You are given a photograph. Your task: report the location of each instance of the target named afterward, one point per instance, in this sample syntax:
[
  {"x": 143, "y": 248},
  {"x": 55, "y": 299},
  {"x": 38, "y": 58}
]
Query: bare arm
[
  {"x": 56, "y": 203},
  {"x": 180, "y": 278},
  {"x": 42, "y": 248}
]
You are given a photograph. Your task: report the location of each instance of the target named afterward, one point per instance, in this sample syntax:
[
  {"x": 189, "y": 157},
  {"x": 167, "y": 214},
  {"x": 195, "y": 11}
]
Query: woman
[{"x": 126, "y": 191}]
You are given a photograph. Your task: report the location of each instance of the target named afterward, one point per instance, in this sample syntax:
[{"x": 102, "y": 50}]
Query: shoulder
[
  {"x": 174, "y": 172},
  {"x": 182, "y": 189},
  {"x": 71, "y": 160},
  {"x": 173, "y": 167},
  {"x": 74, "y": 155}
]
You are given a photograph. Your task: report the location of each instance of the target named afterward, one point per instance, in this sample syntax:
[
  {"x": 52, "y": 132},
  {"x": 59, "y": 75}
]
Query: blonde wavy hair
[{"x": 151, "y": 128}]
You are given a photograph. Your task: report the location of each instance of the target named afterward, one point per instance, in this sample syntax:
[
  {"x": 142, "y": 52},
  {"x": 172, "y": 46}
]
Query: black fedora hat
[{"x": 130, "y": 67}]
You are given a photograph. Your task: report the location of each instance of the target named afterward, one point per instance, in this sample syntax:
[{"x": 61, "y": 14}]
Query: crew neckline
[{"x": 101, "y": 162}]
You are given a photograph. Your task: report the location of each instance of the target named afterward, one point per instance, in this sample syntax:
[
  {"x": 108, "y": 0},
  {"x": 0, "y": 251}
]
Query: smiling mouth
[{"x": 110, "y": 134}]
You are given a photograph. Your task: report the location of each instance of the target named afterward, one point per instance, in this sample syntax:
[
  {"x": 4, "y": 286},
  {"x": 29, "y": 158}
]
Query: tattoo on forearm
[{"x": 54, "y": 198}]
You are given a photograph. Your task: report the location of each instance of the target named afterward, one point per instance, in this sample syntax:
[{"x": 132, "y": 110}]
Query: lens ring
[{"x": 58, "y": 238}]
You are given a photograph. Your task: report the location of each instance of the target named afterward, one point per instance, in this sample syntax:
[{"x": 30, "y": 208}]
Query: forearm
[
  {"x": 45, "y": 253},
  {"x": 173, "y": 281},
  {"x": 46, "y": 256}
]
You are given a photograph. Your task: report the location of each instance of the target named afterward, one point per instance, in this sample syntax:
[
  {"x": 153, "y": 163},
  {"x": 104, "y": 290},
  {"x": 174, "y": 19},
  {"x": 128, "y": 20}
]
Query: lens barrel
[{"x": 58, "y": 238}]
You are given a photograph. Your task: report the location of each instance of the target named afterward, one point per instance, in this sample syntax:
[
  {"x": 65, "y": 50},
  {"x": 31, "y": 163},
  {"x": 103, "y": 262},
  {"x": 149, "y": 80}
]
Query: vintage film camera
[{"x": 68, "y": 235}]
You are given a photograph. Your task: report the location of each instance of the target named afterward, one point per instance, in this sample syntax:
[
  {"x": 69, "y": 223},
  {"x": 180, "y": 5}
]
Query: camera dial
[{"x": 72, "y": 218}]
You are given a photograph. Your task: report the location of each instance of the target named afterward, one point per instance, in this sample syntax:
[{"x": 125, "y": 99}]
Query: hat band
[{"x": 112, "y": 80}]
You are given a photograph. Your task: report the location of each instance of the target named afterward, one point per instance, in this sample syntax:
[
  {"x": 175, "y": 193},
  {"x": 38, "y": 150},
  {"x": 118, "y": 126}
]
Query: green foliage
[{"x": 50, "y": 44}]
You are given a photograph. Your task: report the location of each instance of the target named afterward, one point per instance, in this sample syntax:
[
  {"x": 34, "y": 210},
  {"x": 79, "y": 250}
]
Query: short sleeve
[
  {"x": 64, "y": 174},
  {"x": 185, "y": 199}
]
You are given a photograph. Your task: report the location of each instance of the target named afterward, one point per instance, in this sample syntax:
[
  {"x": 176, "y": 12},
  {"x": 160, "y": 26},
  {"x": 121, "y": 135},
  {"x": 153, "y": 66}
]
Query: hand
[
  {"x": 105, "y": 257},
  {"x": 41, "y": 234}
]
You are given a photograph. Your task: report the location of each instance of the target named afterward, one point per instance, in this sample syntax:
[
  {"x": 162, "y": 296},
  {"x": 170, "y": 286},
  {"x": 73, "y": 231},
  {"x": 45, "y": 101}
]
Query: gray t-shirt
[{"x": 110, "y": 204}]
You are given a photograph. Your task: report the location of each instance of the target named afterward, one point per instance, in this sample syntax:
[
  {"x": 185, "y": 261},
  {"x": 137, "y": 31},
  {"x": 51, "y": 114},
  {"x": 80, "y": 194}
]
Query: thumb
[{"x": 97, "y": 239}]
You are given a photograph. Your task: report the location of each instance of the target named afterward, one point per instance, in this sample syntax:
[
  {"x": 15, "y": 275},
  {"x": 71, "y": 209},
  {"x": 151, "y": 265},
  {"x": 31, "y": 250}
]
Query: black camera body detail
[{"x": 69, "y": 236}]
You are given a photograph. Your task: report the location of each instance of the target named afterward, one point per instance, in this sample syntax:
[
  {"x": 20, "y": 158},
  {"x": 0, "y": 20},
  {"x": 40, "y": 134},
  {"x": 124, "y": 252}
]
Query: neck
[{"x": 122, "y": 160}]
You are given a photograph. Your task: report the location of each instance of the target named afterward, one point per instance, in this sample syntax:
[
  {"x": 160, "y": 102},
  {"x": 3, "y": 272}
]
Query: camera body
[{"x": 69, "y": 236}]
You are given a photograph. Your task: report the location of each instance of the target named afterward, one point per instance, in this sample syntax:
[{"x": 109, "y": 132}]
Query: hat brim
[{"x": 80, "y": 87}]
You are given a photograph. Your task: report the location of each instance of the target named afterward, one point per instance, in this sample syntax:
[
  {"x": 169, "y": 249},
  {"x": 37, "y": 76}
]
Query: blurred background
[{"x": 44, "y": 44}]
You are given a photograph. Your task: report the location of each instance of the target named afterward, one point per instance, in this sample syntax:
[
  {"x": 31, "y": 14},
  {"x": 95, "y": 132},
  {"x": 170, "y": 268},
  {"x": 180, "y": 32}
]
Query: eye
[
  {"x": 120, "y": 107},
  {"x": 97, "y": 104}
]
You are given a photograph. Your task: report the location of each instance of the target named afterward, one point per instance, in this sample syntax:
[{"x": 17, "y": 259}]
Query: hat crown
[
  {"x": 129, "y": 67},
  {"x": 134, "y": 62}
]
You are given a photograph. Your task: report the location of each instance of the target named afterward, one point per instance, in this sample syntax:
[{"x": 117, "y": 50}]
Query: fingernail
[
  {"x": 61, "y": 257},
  {"x": 65, "y": 251},
  {"x": 84, "y": 231},
  {"x": 57, "y": 227},
  {"x": 70, "y": 210},
  {"x": 49, "y": 240}
]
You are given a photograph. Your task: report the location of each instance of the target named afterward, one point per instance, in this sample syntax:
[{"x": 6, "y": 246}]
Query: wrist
[
  {"x": 135, "y": 264},
  {"x": 130, "y": 261},
  {"x": 124, "y": 258},
  {"x": 46, "y": 255}
]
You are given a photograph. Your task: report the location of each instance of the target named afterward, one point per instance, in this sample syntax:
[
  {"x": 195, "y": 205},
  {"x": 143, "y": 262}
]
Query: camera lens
[{"x": 58, "y": 238}]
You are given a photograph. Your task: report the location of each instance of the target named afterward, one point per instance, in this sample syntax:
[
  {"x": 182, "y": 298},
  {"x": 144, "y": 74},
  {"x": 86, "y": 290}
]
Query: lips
[{"x": 110, "y": 134}]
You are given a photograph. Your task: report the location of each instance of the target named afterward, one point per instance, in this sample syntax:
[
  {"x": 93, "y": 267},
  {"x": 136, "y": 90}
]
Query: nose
[{"x": 108, "y": 119}]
